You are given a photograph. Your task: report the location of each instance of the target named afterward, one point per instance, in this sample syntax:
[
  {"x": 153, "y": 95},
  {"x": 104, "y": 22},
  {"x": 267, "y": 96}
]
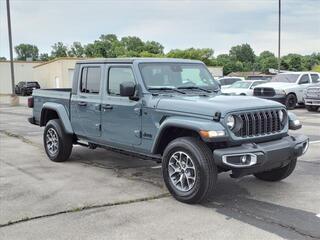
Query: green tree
[
  {"x": 153, "y": 47},
  {"x": 133, "y": 44},
  {"x": 76, "y": 50},
  {"x": 59, "y": 50},
  {"x": 3, "y": 58},
  {"x": 266, "y": 60},
  {"x": 242, "y": 53},
  {"x": 25, "y": 51},
  {"x": 202, "y": 54},
  {"x": 44, "y": 57},
  {"x": 292, "y": 62}
]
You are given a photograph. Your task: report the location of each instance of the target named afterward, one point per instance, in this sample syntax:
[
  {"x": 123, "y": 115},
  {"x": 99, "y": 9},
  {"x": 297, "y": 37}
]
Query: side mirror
[{"x": 127, "y": 89}]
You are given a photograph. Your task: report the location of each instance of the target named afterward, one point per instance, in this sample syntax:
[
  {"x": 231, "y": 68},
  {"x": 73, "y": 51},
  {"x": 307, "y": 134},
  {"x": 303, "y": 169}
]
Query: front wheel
[
  {"x": 57, "y": 143},
  {"x": 188, "y": 169},
  {"x": 291, "y": 101},
  {"x": 277, "y": 174}
]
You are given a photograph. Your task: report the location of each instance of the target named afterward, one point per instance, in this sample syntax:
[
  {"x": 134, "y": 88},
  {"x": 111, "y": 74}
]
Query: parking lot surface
[{"x": 100, "y": 194}]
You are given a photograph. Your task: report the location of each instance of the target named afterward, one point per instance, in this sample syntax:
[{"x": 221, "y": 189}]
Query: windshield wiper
[
  {"x": 195, "y": 87},
  {"x": 167, "y": 88}
]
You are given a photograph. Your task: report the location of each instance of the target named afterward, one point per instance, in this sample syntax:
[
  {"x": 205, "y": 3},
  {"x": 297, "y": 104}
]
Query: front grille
[
  {"x": 313, "y": 92},
  {"x": 258, "y": 123},
  {"x": 267, "y": 92}
]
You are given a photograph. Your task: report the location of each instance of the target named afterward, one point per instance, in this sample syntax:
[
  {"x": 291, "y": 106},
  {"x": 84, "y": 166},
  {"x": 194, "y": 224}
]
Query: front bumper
[
  {"x": 280, "y": 99},
  {"x": 312, "y": 102},
  {"x": 262, "y": 157}
]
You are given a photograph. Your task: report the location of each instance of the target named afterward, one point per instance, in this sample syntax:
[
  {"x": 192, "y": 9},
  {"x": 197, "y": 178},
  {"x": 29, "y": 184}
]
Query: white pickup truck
[{"x": 287, "y": 88}]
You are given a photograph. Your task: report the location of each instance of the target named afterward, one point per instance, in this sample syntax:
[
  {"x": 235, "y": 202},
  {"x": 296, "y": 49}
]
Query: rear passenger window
[
  {"x": 315, "y": 78},
  {"x": 90, "y": 80},
  {"x": 118, "y": 75}
]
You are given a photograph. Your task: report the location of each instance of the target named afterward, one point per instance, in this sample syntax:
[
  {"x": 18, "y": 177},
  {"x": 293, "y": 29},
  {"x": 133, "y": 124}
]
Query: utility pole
[
  {"x": 279, "y": 37},
  {"x": 10, "y": 47}
]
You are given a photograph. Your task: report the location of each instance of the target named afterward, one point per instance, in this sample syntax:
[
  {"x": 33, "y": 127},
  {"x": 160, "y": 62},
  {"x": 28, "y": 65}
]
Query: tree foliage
[
  {"x": 240, "y": 57},
  {"x": 26, "y": 51},
  {"x": 59, "y": 50}
]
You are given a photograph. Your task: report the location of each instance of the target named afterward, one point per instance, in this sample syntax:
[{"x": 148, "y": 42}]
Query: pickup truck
[
  {"x": 287, "y": 88},
  {"x": 312, "y": 98},
  {"x": 170, "y": 110}
]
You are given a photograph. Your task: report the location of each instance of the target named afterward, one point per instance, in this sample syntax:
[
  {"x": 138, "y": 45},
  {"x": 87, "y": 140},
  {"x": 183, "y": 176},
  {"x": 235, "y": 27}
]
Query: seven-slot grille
[
  {"x": 259, "y": 123},
  {"x": 268, "y": 92}
]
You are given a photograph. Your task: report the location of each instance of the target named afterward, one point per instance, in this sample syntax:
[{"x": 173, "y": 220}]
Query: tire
[
  {"x": 277, "y": 174},
  {"x": 312, "y": 108},
  {"x": 204, "y": 170},
  {"x": 61, "y": 150},
  {"x": 291, "y": 101}
]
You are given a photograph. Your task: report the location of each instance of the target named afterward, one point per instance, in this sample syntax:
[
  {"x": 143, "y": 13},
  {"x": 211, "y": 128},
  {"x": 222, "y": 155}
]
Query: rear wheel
[
  {"x": 291, "y": 101},
  {"x": 57, "y": 143},
  {"x": 277, "y": 174},
  {"x": 188, "y": 169},
  {"x": 312, "y": 108}
]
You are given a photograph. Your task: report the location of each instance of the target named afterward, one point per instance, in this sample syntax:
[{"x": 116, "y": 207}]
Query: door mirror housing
[{"x": 127, "y": 89}]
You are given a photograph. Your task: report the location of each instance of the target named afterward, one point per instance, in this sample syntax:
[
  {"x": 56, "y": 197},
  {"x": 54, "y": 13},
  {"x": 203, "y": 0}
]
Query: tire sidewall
[
  {"x": 288, "y": 105},
  {"x": 56, "y": 126},
  {"x": 202, "y": 172}
]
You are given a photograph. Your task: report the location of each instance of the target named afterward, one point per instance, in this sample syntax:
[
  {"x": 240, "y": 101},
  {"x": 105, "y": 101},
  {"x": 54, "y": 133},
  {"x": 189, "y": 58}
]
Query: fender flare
[
  {"x": 190, "y": 123},
  {"x": 62, "y": 113}
]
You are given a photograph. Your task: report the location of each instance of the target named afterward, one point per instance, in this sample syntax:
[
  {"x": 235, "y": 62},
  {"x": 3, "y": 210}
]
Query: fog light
[{"x": 240, "y": 160}]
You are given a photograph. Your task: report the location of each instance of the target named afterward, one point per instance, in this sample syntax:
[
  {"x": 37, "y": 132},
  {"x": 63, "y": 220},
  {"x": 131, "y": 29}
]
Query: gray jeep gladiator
[{"x": 171, "y": 110}]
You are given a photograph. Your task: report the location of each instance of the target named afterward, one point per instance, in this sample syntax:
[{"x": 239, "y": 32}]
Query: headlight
[
  {"x": 231, "y": 121},
  {"x": 280, "y": 92},
  {"x": 281, "y": 115}
]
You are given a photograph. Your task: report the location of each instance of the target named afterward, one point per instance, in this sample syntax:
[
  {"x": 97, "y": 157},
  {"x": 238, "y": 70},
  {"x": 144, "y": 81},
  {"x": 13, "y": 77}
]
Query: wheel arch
[
  {"x": 51, "y": 111},
  {"x": 175, "y": 127}
]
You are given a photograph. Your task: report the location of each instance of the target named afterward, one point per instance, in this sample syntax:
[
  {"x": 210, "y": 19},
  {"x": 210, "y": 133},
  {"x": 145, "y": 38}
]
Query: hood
[
  {"x": 208, "y": 106},
  {"x": 276, "y": 85}
]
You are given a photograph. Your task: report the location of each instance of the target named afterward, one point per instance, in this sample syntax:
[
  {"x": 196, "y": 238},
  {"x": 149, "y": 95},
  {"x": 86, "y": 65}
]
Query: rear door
[
  {"x": 121, "y": 116},
  {"x": 303, "y": 83},
  {"x": 86, "y": 104}
]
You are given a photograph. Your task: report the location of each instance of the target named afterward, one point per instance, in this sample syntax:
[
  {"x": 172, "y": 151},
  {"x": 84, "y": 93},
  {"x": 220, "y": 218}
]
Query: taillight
[{"x": 30, "y": 102}]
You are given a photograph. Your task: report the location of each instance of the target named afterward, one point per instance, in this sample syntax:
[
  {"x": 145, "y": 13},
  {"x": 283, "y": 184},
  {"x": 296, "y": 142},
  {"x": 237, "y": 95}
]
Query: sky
[{"x": 216, "y": 24}]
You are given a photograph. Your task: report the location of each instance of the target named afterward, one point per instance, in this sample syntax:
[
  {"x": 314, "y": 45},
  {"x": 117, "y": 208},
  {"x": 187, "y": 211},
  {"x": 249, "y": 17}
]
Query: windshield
[
  {"x": 177, "y": 75},
  {"x": 241, "y": 84},
  {"x": 288, "y": 78}
]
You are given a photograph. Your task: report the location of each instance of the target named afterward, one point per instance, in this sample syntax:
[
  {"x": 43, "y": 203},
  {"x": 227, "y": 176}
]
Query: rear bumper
[
  {"x": 280, "y": 99},
  {"x": 261, "y": 157}
]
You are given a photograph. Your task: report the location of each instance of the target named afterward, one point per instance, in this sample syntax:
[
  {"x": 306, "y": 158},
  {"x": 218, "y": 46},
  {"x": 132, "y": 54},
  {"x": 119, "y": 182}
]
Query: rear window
[
  {"x": 32, "y": 84},
  {"x": 90, "y": 80}
]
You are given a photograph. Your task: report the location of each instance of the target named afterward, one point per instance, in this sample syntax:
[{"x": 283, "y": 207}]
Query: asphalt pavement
[{"x": 100, "y": 194}]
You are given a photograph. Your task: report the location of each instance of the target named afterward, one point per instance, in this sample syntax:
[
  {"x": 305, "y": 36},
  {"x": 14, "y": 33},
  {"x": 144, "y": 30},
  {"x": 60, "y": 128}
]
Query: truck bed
[{"x": 53, "y": 95}]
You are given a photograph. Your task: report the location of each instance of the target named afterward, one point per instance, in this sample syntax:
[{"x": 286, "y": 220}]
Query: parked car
[
  {"x": 312, "y": 98},
  {"x": 226, "y": 82},
  {"x": 287, "y": 88},
  {"x": 26, "y": 88},
  {"x": 242, "y": 88},
  {"x": 170, "y": 110}
]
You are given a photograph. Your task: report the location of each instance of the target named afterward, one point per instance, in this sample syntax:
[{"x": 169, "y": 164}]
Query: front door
[
  {"x": 121, "y": 116},
  {"x": 86, "y": 104}
]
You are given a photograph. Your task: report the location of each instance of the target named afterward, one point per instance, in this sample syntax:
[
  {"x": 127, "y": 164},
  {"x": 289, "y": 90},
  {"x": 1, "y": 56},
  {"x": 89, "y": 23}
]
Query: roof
[
  {"x": 140, "y": 60},
  {"x": 20, "y": 61},
  {"x": 57, "y": 59},
  {"x": 305, "y": 72}
]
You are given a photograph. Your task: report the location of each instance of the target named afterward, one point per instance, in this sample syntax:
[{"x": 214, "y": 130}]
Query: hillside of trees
[{"x": 239, "y": 58}]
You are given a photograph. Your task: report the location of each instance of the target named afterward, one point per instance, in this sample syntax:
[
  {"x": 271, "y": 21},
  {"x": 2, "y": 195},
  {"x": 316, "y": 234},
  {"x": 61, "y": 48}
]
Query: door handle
[
  {"x": 82, "y": 104},
  {"x": 107, "y": 107}
]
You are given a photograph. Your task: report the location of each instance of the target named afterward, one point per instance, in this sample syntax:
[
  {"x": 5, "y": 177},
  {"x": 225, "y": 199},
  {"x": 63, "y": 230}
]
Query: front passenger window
[
  {"x": 118, "y": 75},
  {"x": 304, "y": 79}
]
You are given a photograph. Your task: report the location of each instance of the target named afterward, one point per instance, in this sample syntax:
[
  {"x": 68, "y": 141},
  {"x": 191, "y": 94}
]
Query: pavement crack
[
  {"x": 85, "y": 208},
  {"x": 22, "y": 138}
]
